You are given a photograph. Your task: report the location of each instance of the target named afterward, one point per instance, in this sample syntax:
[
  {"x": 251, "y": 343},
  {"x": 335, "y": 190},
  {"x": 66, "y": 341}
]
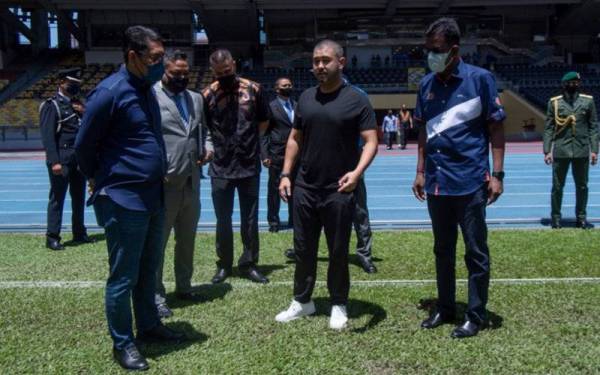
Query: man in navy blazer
[{"x": 120, "y": 149}]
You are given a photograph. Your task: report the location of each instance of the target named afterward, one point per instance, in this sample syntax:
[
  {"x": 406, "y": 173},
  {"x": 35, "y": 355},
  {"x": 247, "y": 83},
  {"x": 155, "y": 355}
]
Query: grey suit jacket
[{"x": 185, "y": 144}]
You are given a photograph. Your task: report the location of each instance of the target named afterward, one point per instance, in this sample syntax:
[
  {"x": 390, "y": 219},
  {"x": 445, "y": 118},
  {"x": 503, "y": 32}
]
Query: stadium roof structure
[{"x": 386, "y": 5}]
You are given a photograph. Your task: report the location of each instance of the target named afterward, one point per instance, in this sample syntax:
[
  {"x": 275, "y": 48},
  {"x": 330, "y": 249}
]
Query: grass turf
[{"x": 536, "y": 328}]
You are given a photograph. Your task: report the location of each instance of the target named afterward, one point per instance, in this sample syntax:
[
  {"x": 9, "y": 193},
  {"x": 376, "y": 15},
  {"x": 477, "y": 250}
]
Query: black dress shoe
[
  {"x": 273, "y": 228},
  {"x": 555, "y": 224},
  {"x": 253, "y": 275},
  {"x": 130, "y": 358},
  {"x": 164, "y": 311},
  {"x": 435, "y": 320},
  {"x": 220, "y": 276},
  {"x": 468, "y": 329},
  {"x": 83, "y": 239},
  {"x": 191, "y": 296},
  {"x": 161, "y": 333},
  {"x": 53, "y": 243},
  {"x": 290, "y": 254},
  {"x": 583, "y": 224},
  {"x": 368, "y": 266}
]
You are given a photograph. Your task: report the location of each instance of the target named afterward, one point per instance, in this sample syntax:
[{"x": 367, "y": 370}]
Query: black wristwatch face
[{"x": 498, "y": 175}]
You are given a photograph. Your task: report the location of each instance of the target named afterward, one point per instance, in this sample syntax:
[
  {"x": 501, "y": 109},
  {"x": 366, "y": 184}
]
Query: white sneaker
[
  {"x": 339, "y": 317},
  {"x": 295, "y": 311}
]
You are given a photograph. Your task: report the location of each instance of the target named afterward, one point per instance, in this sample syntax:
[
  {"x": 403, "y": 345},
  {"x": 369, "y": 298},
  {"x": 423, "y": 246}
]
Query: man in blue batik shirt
[
  {"x": 120, "y": 149},
  {"x": 459, "y": 114}
]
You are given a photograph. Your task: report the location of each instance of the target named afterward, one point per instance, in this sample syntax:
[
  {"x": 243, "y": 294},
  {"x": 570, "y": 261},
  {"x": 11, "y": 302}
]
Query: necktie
[
  {"x": 179, "y": 105},
  {"x": 289, "y": 110}
]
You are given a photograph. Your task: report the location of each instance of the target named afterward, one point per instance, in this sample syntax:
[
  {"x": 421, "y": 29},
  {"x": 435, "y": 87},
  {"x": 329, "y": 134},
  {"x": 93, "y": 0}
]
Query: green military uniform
[{"x": 572, "y": 128}]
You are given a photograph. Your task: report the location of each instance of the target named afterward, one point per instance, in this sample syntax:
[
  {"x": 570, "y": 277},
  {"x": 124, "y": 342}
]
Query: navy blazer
[{"x": 120, "y": 144}]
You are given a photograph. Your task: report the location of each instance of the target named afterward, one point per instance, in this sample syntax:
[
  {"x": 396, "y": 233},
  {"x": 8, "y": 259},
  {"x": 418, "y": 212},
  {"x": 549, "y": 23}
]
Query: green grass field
[{"x": 536, "y": 327}]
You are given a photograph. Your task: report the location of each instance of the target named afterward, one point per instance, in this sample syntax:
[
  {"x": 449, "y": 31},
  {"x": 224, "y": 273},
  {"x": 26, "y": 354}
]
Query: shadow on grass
[
  {"x": 352, "y": 259},
  {"x": 97, "y": 237},
  {"x": 495, "y": 321},
  {"x": 356, "y": 309},
  {"x": 564, "y": 223},
  {"x": 205, "y": 292},
  {"x": 155, "y": 350},
  {"x": 265, "y": 269}
]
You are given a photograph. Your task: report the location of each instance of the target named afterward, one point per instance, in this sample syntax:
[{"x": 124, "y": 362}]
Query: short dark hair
[
  {"x": 280, "y": 79},
  {"x": 136, "y": 38},
  {"x": 335, "y": 46},
  {"x": 175, "y": 56},
  {"x": 220, "y": 56},
  {"x": 447, "y": 27}
]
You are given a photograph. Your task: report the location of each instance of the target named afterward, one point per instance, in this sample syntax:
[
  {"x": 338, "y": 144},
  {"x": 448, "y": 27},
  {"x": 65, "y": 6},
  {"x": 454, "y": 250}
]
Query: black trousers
[
  {"x": 332, "y": 211},
  {"x": 223, "y": 191},
  {"x": 580, "y": 170},
  {"x": 273, "y": 199},
  {"x": 362, "y": 224},
  {"x": 390, "y": 139},
  {"x": 468, "y": 212},
  {"x": 74, "y": 180}
]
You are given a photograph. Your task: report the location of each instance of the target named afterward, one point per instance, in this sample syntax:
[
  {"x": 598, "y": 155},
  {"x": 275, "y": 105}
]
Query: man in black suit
[{"x": 281, "y": 118}]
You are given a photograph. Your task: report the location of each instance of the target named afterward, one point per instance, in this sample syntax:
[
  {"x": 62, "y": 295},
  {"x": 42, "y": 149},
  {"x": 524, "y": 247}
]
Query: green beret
[{"x": 570, "y": 76}]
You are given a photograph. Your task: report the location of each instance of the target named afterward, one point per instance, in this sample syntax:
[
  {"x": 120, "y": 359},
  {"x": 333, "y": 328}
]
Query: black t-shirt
[
  {"x": 233, "y": 119},
  {"x": 331, "y": 125}
]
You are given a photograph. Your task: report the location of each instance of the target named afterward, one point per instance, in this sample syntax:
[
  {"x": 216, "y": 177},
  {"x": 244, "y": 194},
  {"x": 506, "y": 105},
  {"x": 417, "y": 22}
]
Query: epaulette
[
  {"x": 556, "y": 97},
  {"x": 586, "y": 96}
]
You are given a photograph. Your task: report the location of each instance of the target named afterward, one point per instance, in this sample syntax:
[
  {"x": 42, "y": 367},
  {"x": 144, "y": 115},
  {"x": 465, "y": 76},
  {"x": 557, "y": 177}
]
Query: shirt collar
[
  {"x": 169, "y": 92},
  {"x": 283, "y": 101},
  {"x": 135, "y": 81},
  {"x": 64, "y": 96},
  {"x": 460, "y": 72}
]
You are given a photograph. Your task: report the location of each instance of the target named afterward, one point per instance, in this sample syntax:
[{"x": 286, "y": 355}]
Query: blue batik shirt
[{"x": 455, "y": 115}]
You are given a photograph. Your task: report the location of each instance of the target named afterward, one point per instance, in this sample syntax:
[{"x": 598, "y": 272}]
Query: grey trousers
[
  {"x": 362, "y": 224},
  {"x": 182, "y": 212}
]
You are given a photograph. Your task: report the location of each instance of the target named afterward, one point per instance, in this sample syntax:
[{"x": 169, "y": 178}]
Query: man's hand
[
  {"x": 548, "y": 159},
  {"x": 348, "y": 182},
  {"x": 266, "y": 163},
  {"x": 57, "y": 169},
  {"x": 594, "y": 158},
  {"x": 285, "y": 188},
  {"x": 208, "y": 157},
  {"x": 91, "y": 185},
  {"x": 495, "y": 190},
  {"x": 419, "y": 187}
]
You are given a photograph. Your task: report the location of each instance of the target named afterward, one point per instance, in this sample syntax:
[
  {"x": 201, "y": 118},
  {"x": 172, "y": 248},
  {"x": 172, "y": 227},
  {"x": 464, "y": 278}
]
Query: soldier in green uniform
[{"x": 571, "y": 138}]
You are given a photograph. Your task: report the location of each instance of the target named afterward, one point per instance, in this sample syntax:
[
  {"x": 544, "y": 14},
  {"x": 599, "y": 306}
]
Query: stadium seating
[{"x": 539, "y": 83}]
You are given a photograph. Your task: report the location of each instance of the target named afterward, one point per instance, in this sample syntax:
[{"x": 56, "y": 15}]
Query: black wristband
[
  {"x": 499, "y": 175},
  {"x": 284, "y": 175}
]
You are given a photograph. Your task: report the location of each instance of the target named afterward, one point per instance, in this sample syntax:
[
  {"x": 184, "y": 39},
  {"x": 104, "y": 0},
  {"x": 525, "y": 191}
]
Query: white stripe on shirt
[{"x": 457, "y": 115}]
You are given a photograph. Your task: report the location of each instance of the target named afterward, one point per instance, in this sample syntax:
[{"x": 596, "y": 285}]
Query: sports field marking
[{"x": 241, "y": 284}]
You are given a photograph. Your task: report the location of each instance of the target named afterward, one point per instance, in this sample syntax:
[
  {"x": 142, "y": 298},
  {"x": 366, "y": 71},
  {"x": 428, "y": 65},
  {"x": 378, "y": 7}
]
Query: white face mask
[{"x": 437, "y": 61}]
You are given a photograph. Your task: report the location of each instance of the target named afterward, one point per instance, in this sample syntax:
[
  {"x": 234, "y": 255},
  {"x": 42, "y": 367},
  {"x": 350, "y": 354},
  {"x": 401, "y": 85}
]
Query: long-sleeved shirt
[{"x": 120, "y": 144}]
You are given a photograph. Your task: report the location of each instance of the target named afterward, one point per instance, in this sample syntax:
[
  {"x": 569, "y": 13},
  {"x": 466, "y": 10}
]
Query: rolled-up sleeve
[{"x": 494, "y": 110}]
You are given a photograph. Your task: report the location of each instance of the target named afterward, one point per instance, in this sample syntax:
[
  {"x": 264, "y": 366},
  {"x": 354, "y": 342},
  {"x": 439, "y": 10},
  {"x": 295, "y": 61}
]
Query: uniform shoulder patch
[
  {"x": 556, "y": 97},
  {"x": 586, "y": 96}
]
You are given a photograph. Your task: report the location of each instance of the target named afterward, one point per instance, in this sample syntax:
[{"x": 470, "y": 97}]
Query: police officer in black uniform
[{"x": 59, "y": 123}]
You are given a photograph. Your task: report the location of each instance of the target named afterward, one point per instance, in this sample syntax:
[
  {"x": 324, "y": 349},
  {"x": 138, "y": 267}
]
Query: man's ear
[
  {"x": 342, "y": 61},
  {"x": 454, "y": 53}
]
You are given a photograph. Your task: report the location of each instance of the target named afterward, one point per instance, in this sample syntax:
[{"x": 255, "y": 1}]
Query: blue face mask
[{"x": 154, "y": 73}]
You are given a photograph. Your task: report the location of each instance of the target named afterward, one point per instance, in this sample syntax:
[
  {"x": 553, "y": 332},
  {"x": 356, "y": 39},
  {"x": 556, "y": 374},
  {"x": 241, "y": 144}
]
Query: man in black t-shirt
[
  {"x": 237, "y": 113},
  {"x": 329, "y": 120}
]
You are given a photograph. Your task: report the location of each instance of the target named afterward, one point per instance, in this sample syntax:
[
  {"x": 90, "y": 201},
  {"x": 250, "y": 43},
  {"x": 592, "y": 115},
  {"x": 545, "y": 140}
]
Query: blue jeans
[
  {"x": 134, "y": 240},
  {"x": 468, "y": 212}
]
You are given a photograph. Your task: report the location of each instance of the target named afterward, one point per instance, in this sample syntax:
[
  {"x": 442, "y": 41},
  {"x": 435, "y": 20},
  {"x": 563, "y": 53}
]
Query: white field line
[{"x": 359, "y": 283}]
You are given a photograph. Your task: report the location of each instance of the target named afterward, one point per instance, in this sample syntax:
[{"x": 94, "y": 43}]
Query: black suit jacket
[{"x": 275, "y": 138}]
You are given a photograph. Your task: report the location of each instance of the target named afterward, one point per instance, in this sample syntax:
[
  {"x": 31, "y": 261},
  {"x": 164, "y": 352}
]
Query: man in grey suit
[{"x": 188, "y": 146}]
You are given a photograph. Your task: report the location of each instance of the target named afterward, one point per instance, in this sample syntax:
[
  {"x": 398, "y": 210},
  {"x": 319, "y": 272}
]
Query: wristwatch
[
  {"x": 284, "y": 175},
  {"x": 498, "y": 175}
]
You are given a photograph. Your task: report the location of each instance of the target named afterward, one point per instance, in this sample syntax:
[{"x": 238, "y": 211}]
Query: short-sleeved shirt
[
  {"x": 331, "y": 125},
  {"x": 233, "y": 118},
  {"x": 455, "y": 115}
]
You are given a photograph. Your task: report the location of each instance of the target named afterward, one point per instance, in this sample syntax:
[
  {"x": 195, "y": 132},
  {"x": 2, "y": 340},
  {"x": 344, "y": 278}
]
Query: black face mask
[
  {"x": 227, "y": 82},
  {"x": 72, "y": 89},
  {"x": 177, "y": 85},
  {"x": 571, "y": 90},
  {"x": 285, "y": 92}
]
